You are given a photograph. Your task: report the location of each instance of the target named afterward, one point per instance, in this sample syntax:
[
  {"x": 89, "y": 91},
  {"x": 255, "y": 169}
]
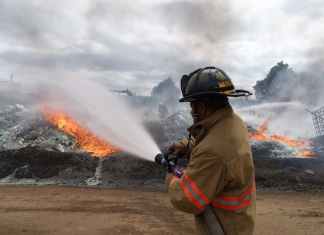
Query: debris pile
[
  {"x": 297, "y": 174},
  {"x": 297, "y": 147},
  {"x": 20, "y": 127},
  {"x": 85, "y": 139},
  {"x": 37, "y": 165},
  {"x": 34, "y": 151}
]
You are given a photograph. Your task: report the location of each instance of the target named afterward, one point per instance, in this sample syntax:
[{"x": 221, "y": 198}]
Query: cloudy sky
[{"x": 136, "y": 44}]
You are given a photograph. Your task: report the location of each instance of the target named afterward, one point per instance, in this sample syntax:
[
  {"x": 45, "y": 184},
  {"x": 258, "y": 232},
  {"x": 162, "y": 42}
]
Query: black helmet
[{"x": 208, "y": 81}]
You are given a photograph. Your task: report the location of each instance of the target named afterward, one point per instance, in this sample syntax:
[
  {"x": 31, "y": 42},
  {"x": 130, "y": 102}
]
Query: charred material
[
  {"x": 119, "y": 170},
  {"x": 33, "y": 149},
  {"x": 123, "y": 170},
  {"x": 37, "y": 163},
  {"x": 289, "y": 173}
]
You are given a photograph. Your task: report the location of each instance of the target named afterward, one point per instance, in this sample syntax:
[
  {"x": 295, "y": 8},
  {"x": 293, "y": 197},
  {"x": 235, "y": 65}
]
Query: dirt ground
[{"x": 91, "y": 211}]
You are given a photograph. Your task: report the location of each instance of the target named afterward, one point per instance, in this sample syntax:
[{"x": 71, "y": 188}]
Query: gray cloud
[
  {"x": 28, "y": 23},
  {"x": 143, "y": 43},
  {"x": 311, "y": 8},
  {"x": 122, "y": 57},
  {"x": 113, "y": 12},
  {"x": 208, "y": 20},
  {"x": 108, "y": 25}
]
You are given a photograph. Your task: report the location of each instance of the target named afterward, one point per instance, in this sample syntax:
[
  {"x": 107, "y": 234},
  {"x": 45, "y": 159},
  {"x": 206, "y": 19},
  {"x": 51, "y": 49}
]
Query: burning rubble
[
  {"x": 50, "y": 150},
  {"x": 22, "y": 127},
  {"x": 301, "y": 148},
  {"x": 52, "y": 146},
  {"x": 86, "y": 140}
]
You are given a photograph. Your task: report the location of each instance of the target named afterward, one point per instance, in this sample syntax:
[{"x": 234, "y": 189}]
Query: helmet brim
[{"x": 231, "y": 93}]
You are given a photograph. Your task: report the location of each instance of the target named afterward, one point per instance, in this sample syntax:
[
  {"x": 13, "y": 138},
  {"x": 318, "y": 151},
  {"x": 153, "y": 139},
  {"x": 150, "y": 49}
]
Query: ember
[
  {"x": 302, "y": 146},
  {"x": 85, "y": 139}
]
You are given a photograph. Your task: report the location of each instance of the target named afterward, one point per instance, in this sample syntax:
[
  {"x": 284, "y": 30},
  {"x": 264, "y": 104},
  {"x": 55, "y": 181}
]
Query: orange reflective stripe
[
  {"x": 196, "y": 189},
  {"x": 190, "y": 196},
  {"x": 192, "y": 192},
  {"x": 233, "y": 203},
  {"x": 243, "y": 204},
  {"x": 237, "y": 198}
]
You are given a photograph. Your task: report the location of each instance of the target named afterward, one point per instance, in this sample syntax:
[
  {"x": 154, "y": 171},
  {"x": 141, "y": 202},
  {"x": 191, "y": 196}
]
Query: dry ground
[{"x": 90, "y": 211}]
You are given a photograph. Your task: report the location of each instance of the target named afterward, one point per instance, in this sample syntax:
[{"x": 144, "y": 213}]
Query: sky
[{"x": 137, "y": 44}]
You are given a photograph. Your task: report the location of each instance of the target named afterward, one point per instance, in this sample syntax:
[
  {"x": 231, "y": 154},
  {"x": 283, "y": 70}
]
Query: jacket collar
[{"x": 200, "y": 129}]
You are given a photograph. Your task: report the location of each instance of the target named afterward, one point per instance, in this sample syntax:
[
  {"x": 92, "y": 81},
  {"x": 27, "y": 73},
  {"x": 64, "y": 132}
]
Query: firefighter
[{"x": 220, "y": 174}]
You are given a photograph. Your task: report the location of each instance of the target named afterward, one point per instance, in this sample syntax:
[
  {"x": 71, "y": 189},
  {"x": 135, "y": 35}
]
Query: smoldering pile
[
  {"x": 55, "y": 156},
  {"x": 21, "y": 127},
  {"x": 34, "y": 151}
]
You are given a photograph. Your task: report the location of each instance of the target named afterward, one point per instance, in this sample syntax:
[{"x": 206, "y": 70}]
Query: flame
[
  {"x": 260, "y": 133},
  {"x": 85, "y": 139},
  {"x": 306, "y": 153},
  {"x": 302, "y": 146}
]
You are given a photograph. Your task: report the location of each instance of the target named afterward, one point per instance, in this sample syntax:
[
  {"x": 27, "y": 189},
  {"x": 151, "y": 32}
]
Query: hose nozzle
[
  {"x": 169, "y": 161},
  {"x": 162, "y": 159}
]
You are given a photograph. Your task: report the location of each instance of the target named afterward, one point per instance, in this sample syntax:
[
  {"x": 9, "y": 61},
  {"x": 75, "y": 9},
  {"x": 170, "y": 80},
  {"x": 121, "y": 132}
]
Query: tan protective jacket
[{"x": 220, "y": 174}]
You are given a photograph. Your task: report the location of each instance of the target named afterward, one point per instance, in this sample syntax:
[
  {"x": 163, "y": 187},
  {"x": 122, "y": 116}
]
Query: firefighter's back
[{"x": 227, "y": 140}]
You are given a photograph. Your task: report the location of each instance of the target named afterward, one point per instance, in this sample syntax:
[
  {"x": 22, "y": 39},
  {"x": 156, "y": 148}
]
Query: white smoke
[
  {"x": 285, "y": 118},
  {"x": 304, "y": 91}
]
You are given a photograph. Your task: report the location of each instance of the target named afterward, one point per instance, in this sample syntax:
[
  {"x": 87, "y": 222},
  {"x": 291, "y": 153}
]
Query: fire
[
  {"x": 302, "y": 146},
  {"x": 85, "y": 139},
  {"x": 260, "y": 133},
  {"x": 306, "y": 153}
]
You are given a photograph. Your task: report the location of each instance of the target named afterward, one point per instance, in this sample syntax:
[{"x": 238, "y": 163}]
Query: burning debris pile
[
  {"x": 48, "y": 129},
  {"x": 295, "y": 147},
  {"x": 21, "y": 127},
  {"x": 286, "y": 163},
  {"x": 31, "y": 148},
  {"x": 44, "y": 133},
  {"x": 50, "y": 146},
  {"x": 291, "y": 158},
  {"x": 84, "y": 138}
]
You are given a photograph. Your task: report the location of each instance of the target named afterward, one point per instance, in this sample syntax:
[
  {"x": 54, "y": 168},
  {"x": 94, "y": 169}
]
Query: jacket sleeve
[
  {"x": 184, "y": 147},
  {"x": 184, "y": 141},
  {"x": 202, "y": 181}
]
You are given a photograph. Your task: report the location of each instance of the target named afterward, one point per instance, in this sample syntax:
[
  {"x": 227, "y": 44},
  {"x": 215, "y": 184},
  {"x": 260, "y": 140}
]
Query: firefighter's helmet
[{"x": 208, "y": 81}]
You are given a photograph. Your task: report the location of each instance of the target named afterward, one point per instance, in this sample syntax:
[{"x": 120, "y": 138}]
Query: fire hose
[{"x": 169, "y": 161}]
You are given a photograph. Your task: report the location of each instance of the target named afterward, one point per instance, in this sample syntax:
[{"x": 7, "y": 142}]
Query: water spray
[{"x": 106, "y": 114}]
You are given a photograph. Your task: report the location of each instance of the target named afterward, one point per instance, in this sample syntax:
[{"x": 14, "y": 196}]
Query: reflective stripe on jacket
[{"x": 220, "y": 173}]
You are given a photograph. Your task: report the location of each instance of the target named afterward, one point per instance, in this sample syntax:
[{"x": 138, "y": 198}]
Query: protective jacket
[{"x": 220, "y": 174}]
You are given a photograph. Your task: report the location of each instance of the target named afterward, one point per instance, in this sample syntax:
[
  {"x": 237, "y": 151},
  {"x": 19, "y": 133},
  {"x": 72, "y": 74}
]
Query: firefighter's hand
[{"x": 178, "y": 149}]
